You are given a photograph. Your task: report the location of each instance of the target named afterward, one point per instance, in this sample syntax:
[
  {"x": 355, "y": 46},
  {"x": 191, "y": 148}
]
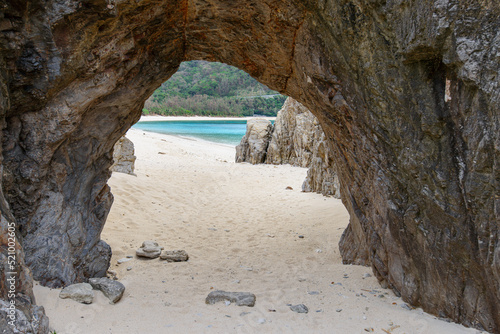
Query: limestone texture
[
  {"x": 79, "y": 292},
  {"x": 299, "y": 308},
  {"x": 253, "y": 145},
  {"x": 112, "y": 289},
  {"x": 238, "y": 298},
  {"x": 123, "y": 156},
  {"x": 407, "y": 93},
  {"x": 149, "y": 249},
  {"x": 174, "y": 256},
  {"x": 299, "y": 140}
]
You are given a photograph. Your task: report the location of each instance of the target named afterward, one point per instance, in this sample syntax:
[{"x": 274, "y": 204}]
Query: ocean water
[{"x": 225, "y": 132}]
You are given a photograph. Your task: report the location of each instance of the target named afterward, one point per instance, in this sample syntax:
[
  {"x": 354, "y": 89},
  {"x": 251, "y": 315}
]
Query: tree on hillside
[{"x": 205, "y": 88}]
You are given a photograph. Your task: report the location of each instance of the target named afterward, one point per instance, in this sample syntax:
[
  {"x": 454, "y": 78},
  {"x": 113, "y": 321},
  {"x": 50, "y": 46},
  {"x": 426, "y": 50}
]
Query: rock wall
[
  {"x": 299, "y": 140},
  {"x": 253, "y": 145},
  {"x": 123, "y": 156},
  {"x": 296, "y": 139},
  {"x": 321, "y": 175},
  {"x": 405, "y": 91}
]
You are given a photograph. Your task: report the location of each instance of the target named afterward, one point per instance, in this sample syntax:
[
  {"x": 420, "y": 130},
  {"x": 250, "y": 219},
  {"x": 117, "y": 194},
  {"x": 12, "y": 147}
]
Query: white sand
[{"x": 240, "y": 227}]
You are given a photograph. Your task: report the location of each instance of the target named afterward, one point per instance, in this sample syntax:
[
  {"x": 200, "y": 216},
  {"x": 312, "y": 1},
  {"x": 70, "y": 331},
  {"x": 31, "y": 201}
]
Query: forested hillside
[{"x": 215, "y": 89}]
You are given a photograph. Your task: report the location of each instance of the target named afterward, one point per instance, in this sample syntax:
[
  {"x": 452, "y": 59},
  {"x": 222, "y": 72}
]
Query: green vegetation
[{"x": 212, "y": 89}]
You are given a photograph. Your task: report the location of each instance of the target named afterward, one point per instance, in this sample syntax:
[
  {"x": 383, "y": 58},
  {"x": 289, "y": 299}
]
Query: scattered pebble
[
  {"x": 300, "y": 308},
  {"x": 129, "y": 268},
  {"x": 407, "y": 307},
  {"x": 319, "y": 311},
  {"x": 369, "y": 329},
  {"x": 129, "y": 256},
  {"x": 174, "y": 256},
  {"x": 261, "y": 321},
  {"x": 270, "y": 235},
  {"x": 366, "y": 275},
  {"x": 113, "y": 290},
  {"x": 242, "y": 314},
  {"x": 120, "y": 261},
  {"x": 239, "y": 298},
  {"x": 212, "y": 229},
  {"x": 149, "y": 249},
  {"x": 319, "y": 251},
  {"x": 301, "y": 237},
  {"x": 339, "y": 310},
  {"x": 312, "y": 293},
  {"x": 289, "y": 188}
]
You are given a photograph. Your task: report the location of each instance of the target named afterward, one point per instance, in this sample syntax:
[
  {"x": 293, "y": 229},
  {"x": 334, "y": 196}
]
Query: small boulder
[
  {"x": 174, "y": 256},
  {"x": 239, "y": 298},
  {"x": 111, "y": 289},
  {"x": 300, "y": 308},
  {"x": 149, "y": 249},
  {"x": 80, "y": 292}
]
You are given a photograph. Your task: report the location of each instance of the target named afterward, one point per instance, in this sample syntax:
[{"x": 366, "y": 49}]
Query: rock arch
[{"x": 407, "y": 92}]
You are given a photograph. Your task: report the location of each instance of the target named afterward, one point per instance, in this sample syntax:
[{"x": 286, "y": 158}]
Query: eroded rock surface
[
  {"x": 149, "y": 249},
  {"x": 253, "y": 145},
  {"x": 174, "y": 256},
  {"x": 112, "y": 289},
  {"x": 79, "y": 292},
  {"x": 407, "y": 93},
  {"x": 123, "y": 156},
  {"x": 299, "y": 140},
  {"x": 296, "y": 130},
  {"x": 238, "y": 298}
]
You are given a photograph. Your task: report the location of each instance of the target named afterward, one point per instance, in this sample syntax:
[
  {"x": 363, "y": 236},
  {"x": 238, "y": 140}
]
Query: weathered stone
[
  {"x": 295, "y": 132},
  {"x": 80, "y": 292},
  {"x": 174, "y": 256},
  {"x": 238, "y": 298},
  {"x": 37, "y": 322},
  {"x": 299, "y": 140},
  {"x": 123, "y": 156},
  {"x": 110, "y": 288},
  {"x": 299, "y": 308},
  {"x": 126, "y": 259},
  {"x": 149, "y": 249},
  {"x": 253, "y": 145},
  {"x": 406, "y": 93}
]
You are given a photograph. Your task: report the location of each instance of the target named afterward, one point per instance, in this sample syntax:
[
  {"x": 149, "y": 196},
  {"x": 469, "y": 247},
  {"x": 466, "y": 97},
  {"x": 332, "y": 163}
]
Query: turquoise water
[{"x": 226, "y": 132}]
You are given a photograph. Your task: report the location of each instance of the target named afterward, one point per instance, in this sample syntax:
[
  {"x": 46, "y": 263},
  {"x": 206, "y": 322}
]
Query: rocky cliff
[
  {"x": 407, "y": 93},
  {"x": 299, "y": 140},
  {"x": 253, "y": 145},
  {"x": 296, "y": 139},
  {"x": 123, "y": 156}
]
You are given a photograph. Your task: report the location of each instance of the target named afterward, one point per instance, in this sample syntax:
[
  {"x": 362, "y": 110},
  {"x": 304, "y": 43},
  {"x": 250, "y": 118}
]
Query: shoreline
[
  {"x": 152, "y": 118},
  {"x": 164, "y": 136}
]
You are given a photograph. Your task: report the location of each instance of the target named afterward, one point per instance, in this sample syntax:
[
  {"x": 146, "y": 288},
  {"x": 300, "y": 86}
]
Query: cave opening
[{"x": 74, "y": 77}]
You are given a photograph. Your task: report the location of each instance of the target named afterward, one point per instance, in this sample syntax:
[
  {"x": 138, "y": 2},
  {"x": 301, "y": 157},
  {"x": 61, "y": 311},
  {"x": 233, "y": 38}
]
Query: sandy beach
[{"x": 244, "y": 231}]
